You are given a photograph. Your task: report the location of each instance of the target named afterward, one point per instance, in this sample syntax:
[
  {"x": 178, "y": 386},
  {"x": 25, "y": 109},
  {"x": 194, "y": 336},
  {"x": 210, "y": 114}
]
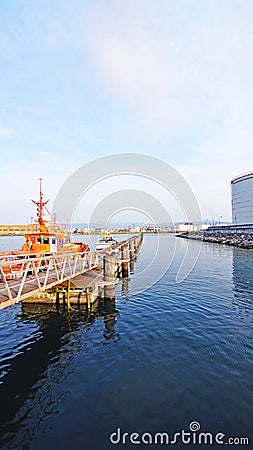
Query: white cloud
[
  {"x": 172, "y": 79},
  {"x": 183, "y": 73},
  {"x": 172, "y": 72},
  {"x": 6, "y": 132}
]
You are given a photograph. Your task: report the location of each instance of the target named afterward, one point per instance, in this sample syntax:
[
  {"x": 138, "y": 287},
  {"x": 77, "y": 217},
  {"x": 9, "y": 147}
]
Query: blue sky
[{"x": 83, "y": 79}]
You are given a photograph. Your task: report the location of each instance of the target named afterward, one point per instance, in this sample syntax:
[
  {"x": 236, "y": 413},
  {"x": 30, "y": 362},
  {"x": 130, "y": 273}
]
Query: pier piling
[
  {"x": 109, "y": 264},
  {"x": 125, "y": 259}
]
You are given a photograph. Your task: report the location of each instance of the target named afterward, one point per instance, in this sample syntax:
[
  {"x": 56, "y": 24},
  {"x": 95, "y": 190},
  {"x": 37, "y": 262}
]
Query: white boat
[{"x": 105, "y": 242}]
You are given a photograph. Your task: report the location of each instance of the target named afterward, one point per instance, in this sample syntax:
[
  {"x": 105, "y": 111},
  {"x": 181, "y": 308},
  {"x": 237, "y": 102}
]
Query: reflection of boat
[
  {"x": 46, "y": 237},
  {"x": 104, "y": 242}
]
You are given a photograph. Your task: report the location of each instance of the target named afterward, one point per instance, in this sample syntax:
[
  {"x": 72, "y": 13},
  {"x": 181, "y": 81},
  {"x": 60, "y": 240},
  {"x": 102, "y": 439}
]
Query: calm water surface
[{"x": 151, "y": 362}]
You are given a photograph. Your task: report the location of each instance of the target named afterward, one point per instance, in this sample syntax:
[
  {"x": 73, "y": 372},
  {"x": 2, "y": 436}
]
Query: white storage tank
[{"x": 242, "y": 199}]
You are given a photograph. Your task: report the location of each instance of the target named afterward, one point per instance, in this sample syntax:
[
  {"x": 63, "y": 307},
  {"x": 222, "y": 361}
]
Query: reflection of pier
[
  {"x": 26, "y": 389},
  {"x": 66, "y": 277}
]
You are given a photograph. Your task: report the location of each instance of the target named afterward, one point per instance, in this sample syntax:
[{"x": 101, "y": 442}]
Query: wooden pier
[{"x": 66, "y": 277}]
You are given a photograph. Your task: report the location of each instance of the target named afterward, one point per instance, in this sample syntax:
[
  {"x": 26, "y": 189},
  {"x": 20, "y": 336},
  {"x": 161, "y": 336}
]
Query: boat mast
[{"x": 40, "y": 206}]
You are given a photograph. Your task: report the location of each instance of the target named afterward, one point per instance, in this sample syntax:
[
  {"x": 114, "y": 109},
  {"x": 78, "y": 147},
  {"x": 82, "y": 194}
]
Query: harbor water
[{"x": 154, "y": 361}]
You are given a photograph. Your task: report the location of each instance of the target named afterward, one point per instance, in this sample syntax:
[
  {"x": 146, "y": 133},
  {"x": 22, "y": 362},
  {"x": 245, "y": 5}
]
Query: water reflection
[
  {"x": 125, "y": 285},
  {"x": 243, "y": 282},
  {"x": 31, "y": 389},
  {"x": 110, "y": 318}
]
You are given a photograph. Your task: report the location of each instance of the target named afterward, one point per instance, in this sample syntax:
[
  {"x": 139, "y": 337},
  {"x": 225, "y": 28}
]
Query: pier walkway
[
  {"x": 28, "y": 277},
  {"x": 31, "y": 275}
]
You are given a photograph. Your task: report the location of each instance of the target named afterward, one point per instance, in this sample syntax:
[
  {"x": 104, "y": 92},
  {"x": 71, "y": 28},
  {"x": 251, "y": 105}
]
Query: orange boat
[
  {"x": 49, "y": 237},
  {"x": 46, "y": 237}
]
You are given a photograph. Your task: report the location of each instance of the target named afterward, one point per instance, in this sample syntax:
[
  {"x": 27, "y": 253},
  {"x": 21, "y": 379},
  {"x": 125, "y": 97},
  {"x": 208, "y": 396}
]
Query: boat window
[
  {"x": 53, "y": 241},
  {"x": 38, "y": 240},
  {"x": 46, "y": 241}
]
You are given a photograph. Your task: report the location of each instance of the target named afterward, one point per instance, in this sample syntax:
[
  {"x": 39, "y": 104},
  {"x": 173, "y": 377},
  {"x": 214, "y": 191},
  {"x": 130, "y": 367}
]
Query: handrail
[
  {"x": 63, "y": 265},
  {"x": 8, "y": 258},
  {"x": 24, "y": 274}
]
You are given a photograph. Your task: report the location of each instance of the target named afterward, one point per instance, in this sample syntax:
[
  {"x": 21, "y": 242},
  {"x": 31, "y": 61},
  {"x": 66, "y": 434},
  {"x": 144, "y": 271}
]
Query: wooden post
[
  {"x": 88, "y": 297},
  {"x": 68, "y": 294},
  {"x": 132, "y": 254},
  {"x": 125, "y": 259},
  {"x": 109, "y": 276},
  {"x": 138, "y": 241},
  {"x": 135, "y": 248},
  {"x": 109, "y": 267},
  {"x": 131, "y": 249},
  {"x": 110, "y": 292},
  {"x": 101, "y": 292}
]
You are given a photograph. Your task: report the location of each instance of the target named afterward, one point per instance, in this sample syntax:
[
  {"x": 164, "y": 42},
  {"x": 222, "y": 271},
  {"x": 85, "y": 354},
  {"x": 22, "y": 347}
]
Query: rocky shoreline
[{"x": 243, "y": 240}]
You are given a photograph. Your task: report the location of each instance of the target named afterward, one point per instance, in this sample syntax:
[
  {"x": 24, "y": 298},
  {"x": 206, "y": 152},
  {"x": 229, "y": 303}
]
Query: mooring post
[
  {"x": 131, "y": 249},
  {"x": 109, "y": 267},
  {"x": 138, "y": 241},
  {"x": 88, "y": 297},
  {"x": 125, "y": 259},
  {"x": 68, "y": 294},
  {"x": 135, "y": 248},
  {"x": 110, "y": 291},
  {"x": 109, "y": 275},
  {"x": 132, "y": 254}
]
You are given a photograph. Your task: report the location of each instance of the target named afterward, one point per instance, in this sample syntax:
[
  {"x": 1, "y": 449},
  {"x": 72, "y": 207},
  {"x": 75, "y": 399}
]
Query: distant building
[
  {"x": 203, "y": 226},
  {"x": 12, "y": 230},
  {"x": 187, "y": 226},
  {"x": 242, "y": 199},
  {"x": 135, "y": 229}
]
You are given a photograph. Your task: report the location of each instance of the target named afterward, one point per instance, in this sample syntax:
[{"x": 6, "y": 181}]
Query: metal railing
[
  {"x": 236, "y": 229},
  {"x": 40, "y": 271}
]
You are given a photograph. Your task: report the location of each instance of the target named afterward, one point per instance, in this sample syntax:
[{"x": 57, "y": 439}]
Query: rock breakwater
[{"x": 243, "y": 240}]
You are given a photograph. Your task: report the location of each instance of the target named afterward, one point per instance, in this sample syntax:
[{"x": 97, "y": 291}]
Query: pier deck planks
[{"x": 82, "y": 281}]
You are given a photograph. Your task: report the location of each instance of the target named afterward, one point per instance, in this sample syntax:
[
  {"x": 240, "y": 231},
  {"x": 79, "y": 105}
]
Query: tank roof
[{"x": 242, "y": 177}]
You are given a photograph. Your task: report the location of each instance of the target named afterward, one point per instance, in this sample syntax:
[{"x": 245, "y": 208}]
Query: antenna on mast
[{"x": 40, "y": 206}]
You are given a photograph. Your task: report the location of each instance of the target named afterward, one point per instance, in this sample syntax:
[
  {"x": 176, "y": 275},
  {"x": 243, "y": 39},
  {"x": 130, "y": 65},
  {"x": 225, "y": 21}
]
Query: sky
[{"x": 84, "y": 79}]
